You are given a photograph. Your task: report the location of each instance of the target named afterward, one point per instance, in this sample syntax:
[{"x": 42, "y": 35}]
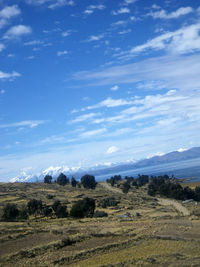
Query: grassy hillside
[{"x": 140, "y": 231}]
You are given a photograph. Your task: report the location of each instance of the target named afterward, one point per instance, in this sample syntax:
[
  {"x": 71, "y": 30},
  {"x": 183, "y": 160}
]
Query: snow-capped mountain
[{"x": 109, "y": 168}]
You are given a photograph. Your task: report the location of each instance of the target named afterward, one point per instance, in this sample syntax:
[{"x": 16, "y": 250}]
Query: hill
[{"x": 139, "y": 229}]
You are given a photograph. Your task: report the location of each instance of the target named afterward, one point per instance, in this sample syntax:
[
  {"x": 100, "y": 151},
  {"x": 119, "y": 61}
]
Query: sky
[{"x": 96, "y": 82}]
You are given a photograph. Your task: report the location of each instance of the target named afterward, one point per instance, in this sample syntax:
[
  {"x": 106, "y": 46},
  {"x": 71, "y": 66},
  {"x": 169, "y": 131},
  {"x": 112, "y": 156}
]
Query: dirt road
[
  {"x": 111, "y": 188},
  {"x": 175, "y": 204}
]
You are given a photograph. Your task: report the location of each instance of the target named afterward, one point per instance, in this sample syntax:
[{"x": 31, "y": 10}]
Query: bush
[
  {"x": 23, "y": 214},
  {"x": 73, "y": 182},
  {"x": 83, "y": 208},
  {"x": 48, "y": 179},
  {"x": 62, "y": 179},
  {"x": 56, "y": 204},
  {"x": 47, "y": 211},
  {"x": 61, "y": 211},
  {"x": 100, "y": 214},
  {"x": 10, "y": 212},
  {"x": 34, "y": 206},
  {"x": 88, "y": 181},
  {"x": 49, "y": 196},
  {"x": 108, "y": 202},
  {"x": 125, "y": 187}
]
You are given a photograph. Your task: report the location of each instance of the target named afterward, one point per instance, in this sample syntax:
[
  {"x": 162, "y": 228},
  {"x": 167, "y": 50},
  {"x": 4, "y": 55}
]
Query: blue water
[{"x": 181, "y": 169}]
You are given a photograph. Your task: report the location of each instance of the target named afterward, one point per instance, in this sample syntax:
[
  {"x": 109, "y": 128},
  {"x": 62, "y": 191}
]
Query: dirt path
[
  {"x": 111, "y": 188},
  {"x": 175, "y": 204}
]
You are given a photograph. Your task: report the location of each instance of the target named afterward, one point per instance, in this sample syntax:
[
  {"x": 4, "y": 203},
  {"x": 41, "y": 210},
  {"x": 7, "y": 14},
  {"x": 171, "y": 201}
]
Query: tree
[
  {"x": 61, "y": 211},
  {"x": 47, "y": 211},
  {"x": 62, "y": 179},
  {"x": 10, "y": 212},
  {"x": 48, "y": 179},
  {"x": 83, "y": 208},
  {"x": 23, "y": 213},
  {"x": 73, "y": 182},
  {"x": 88, "y": 181},
  {"x": 34, "y": 206},
  {"x": 56, "y": 204},
  {"x": 125, "y": 187}
]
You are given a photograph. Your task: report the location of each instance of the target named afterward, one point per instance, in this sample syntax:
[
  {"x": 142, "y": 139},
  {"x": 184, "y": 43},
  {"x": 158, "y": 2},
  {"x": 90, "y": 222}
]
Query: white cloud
[
  {"x": 95, "y": 37},
  {"x": 125, "y": 31},
  {"x": 62, "y": 53},
  {"x": 60, "y": 3},
  {"x": 128, "y": 2},
  {"x": 109, "y": 103},
  {"x": 30, "y": 124},
  {"x": 66, "y": 33},
  {"x": 9, "y": 76},
  {"x": 90, "y": 9},
  {"x": 184, "y": 40},
  {"x": 114, "y": 88},
  {"x": 2, "y": 47},
  {"x": 34, "y": 42},
  {"x": 171, "y": 70},
  {"x": 93, "y": 133},
  {"x": 84, "y": 117},
  {"x": 162, "y": 14},
  {"x": 9, "y": 12},
  {"x": 112, "y": 149},
  {"x": 123, "y": 10},
  {"x": 2, "y": 92},
  {"x": 17, "y": 31}
]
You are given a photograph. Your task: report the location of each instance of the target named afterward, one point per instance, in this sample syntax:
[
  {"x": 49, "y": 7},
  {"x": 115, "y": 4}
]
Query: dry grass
[{"x": 160, "y": 236}]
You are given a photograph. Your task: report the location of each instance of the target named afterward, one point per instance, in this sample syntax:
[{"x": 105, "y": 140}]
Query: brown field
[{"x": 165, "y": 233}]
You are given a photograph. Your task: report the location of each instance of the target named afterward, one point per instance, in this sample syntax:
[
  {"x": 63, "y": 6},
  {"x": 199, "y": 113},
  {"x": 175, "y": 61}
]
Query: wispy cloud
[
  {"x": 92, "y": 133},
  {"x": 17, "y": 31},
  {"x": 9, "y": 76},
  {"x": 61, "y": 3},
  {"x": 30, "y": 124},
  {"x": 2, "y": 47},
  {"x": 110, "y": 103},
  {"x": 85, "y": 117},
  {"x": 34, "y": 42},
  {"x": 62, "y": 53},
  {"x": 162, "y": 14}
]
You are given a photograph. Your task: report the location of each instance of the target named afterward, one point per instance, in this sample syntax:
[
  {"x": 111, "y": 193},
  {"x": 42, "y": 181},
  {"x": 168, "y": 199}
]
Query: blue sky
[{"x": 88, "y": 82}]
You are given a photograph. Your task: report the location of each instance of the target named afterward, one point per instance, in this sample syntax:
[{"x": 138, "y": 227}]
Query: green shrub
[
  {"x": 10, "y": 212},
  {"x": 100, "y": 214},
  {"x": 83, "y": 208}
]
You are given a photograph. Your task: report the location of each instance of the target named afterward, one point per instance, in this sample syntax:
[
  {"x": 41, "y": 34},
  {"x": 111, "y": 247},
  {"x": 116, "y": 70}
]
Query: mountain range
[{"x": 116, "y": 168}]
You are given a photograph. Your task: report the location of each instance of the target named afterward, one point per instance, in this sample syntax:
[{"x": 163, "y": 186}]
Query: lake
[{"x": 180, "y": 169}]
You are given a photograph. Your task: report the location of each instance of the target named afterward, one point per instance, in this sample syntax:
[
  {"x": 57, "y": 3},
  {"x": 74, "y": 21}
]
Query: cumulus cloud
[
  {"x": 123, "y": 10},
  {"x": 162, "y": 14},
  {"x": 114, "y": 88},
  {"x": 7, "y": 13},
  {"x": 17, "y": 31},
  {"x": 112, "y": 149}
]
